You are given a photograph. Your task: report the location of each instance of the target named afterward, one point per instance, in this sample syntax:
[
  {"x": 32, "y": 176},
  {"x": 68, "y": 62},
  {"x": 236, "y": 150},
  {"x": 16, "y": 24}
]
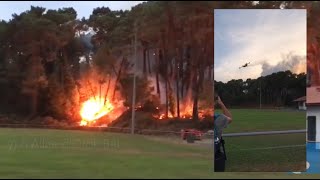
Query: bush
[
  {"x": 62, "y": 102},
  {"x": 50, "y": 121}
]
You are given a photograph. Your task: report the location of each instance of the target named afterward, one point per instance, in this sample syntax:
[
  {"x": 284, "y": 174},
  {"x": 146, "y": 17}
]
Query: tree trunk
[
  {"x": 182, "y": 89},
  {"x": 171, "y": 67},
  {"x": 148, "y": 61},
  {"x": 198, "y": 83},
  {"x": 195, "y": 98},
  {"x": 166, "y": 79},
  {"x": 195, "y": 116},
  {"x": 188, "y": 71},
  {"x": 157, "y": 74},
  {"x": 165, "y": 55},
  {"x": 177, "y": 84},
  {"x": 178, "y": 97},
  {"x": 118, "y": 78},
  {"x": 144, "y": 61},
  {"x": 106, "y": 95},
  {"x": 91, "y": 89},
  {"x": 158, "y": 85},
  {"x": 167, "y": 102},
  {"x": 164, "y": 62},
  {"x": 181, "y": 75},
  {"x": 34, "y": 103},
  {"x": 171, "y": 99}
]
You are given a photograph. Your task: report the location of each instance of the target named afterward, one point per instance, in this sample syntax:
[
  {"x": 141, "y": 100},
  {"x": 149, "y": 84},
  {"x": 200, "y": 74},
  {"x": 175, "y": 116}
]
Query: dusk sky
[
  {"x": 262, "y": 37},
  {"x": 83, "y": 8}
]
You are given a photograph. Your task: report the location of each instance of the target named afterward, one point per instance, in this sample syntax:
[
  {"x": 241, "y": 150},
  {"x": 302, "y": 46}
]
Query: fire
[
  {"x": 83, "y": 123},
  {"x": 161, "y": 116},
  {"x": 101, "y": 100},
  {"x": 186, "y": 112},
  {"x": 94, "y": 109}
]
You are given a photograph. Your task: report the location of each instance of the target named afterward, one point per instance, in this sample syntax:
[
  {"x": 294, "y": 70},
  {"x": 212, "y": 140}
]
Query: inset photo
[{"x": 260, "y": 88}]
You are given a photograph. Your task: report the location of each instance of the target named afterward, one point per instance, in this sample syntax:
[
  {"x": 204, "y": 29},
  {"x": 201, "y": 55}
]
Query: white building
[
  {"x": 313, "y": 114},
  {"x": 301, "y": 103}
]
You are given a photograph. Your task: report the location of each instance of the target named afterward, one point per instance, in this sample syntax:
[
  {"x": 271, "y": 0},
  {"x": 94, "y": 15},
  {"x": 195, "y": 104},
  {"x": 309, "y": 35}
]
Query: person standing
[{"x": 221, "y": 121}]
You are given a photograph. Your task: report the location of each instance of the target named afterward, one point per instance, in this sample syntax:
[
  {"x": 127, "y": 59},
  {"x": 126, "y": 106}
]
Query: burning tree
[
  {"x": 184, "y": 53},
  {"x": 98, "y": 88}
]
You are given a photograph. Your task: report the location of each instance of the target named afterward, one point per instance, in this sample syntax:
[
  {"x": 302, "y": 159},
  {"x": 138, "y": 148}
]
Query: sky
[
  {"x": 271, "y": 40},
  {"x": 83, "y": 8}
]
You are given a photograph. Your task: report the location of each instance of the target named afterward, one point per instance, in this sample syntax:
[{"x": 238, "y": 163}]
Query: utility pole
[
  {"x": 260, "y": 91},
  {"x": 134, "y": 79}
]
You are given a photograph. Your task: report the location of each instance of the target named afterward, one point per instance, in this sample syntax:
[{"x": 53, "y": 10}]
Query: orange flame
[
  {"x": 93, "y": 109},
  {"x": 101, "y": 102},
  {"x": 186, "y": 112}
]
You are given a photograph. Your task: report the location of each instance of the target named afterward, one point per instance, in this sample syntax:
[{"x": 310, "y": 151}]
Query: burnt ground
[{"x": 146, "y": 120}]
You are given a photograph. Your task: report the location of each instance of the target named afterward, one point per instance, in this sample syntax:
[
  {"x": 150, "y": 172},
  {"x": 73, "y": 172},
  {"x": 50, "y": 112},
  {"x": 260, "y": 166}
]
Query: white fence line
[{"x": 264, "y": 133}]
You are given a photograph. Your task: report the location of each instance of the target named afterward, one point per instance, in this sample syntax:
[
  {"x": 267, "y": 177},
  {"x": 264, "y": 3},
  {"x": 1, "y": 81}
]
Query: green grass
[
  {"x": 266, "y": 153},
  {"x": 249, "y": 120},
  {"x": 36, "y": 153}
]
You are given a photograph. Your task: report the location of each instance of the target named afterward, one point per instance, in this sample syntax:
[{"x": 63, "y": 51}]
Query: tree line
[{"x": 277, "y": 90}]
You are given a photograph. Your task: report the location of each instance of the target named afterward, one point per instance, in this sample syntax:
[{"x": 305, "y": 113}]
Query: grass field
[
  {"x": 42, "y": 153},
  {"x": 250, "y": 120},
  {"x": 35, "y": 153},
  {"x": 39, "y": 153},
  {"x": 266, "y": 153}
]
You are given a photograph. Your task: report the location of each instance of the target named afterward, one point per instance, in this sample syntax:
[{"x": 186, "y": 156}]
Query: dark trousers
[{"x": 219, "y": 156}]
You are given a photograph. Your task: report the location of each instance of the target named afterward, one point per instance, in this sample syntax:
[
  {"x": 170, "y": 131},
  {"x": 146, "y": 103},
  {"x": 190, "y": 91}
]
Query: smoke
[
  {"x": 257, "y": 63},
  {"x": 86, "y": 40},
  {"x": 185, "y": 99},
  {"x": 294, "y": 63},
  {"x": 153, "y": 81}
]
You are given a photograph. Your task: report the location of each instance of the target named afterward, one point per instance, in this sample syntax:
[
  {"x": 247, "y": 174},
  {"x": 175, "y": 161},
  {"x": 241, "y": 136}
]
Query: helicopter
[{"x": 245, "y": 65}]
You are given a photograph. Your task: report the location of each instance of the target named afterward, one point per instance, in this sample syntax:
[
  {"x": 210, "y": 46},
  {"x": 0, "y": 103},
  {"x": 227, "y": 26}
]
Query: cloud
[
  {"x": 295, "y": 63},
  {"x": 260, "y": 38}
]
